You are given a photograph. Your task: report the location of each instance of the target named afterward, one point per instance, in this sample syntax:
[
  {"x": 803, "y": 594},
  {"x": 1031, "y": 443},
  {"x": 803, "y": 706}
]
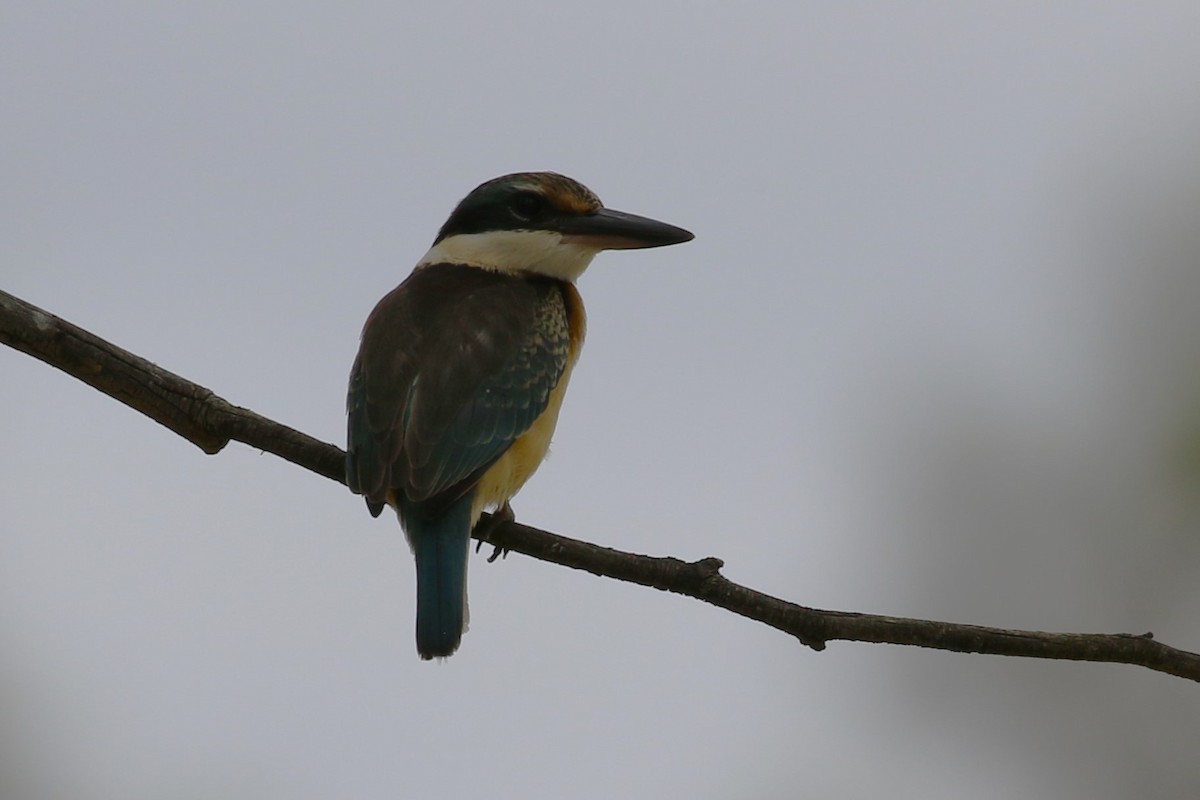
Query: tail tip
[{"x": 439, "y": 646}]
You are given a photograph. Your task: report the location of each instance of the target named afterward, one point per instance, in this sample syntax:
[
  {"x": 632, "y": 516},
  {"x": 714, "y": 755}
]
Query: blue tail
[{"x": 441, "y": 546}]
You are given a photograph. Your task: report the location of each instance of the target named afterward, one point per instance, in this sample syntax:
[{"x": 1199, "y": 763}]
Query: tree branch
[{"x": 210, "y": 422}]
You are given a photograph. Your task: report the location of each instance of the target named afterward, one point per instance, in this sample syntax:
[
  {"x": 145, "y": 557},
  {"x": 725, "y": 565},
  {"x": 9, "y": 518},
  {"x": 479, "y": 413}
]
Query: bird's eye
[{"x": 526, "y": 205}]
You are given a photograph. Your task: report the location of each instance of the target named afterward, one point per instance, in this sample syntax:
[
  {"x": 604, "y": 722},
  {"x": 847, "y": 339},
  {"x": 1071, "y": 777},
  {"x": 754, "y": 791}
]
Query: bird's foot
[{"x": 485, "y": 526}]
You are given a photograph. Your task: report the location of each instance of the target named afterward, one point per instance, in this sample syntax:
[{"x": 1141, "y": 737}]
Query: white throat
[{"x": 543, "y": 252}]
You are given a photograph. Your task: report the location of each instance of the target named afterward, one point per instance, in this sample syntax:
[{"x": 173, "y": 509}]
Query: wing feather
[{"x": 455, "y": 364}]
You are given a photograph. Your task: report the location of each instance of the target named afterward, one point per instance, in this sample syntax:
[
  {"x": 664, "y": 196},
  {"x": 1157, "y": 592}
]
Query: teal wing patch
[
  {"x": 503, "y": 406},
  {"x": 455, "y": 365}
]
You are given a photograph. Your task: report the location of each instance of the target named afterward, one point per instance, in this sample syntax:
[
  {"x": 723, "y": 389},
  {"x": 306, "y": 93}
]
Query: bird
[{"x": 462, "y": 368}]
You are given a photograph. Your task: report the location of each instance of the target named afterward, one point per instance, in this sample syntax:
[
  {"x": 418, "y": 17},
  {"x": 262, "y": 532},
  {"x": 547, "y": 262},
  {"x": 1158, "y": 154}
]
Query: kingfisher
[{"x": 462, "y": 369}]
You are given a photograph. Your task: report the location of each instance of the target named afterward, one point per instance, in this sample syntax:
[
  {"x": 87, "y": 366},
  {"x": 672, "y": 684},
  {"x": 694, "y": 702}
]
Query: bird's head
[{"x": 541, "y": 222}]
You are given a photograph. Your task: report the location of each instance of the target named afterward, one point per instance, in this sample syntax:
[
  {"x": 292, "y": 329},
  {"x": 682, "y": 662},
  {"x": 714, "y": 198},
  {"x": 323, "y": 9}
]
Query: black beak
[{"x": 608, "y": 229}]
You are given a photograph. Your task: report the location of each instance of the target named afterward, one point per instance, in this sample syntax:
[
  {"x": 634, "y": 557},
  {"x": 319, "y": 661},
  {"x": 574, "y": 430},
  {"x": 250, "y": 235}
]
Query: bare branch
[
  {"x": 210, "y": 422},
  {"x": 189, "y": 409}
]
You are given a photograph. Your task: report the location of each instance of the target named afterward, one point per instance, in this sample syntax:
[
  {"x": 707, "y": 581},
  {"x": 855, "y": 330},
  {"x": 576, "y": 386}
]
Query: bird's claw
[{"x": 499, "y": 517}]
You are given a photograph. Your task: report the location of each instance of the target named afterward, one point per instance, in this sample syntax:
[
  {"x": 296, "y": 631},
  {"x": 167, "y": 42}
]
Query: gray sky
[{"x": 933, "y": 353}]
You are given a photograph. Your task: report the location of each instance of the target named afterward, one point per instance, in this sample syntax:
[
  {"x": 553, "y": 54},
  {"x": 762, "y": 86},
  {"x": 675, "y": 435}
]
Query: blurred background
[{"x": 934, "y": 352}]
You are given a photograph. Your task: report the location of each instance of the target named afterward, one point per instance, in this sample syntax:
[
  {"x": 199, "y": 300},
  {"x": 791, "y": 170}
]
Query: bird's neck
[{"x": 537, "y": 252}]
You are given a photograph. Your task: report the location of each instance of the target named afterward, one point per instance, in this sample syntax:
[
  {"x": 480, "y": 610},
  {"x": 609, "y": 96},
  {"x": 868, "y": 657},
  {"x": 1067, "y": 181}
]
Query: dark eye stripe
[
  {"x": 527, "y": 205},
  {"x": 521, "y": 201}
]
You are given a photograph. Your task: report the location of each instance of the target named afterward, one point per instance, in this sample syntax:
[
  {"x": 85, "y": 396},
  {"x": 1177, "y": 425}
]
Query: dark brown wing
[{"x": 454, "y": 365}]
